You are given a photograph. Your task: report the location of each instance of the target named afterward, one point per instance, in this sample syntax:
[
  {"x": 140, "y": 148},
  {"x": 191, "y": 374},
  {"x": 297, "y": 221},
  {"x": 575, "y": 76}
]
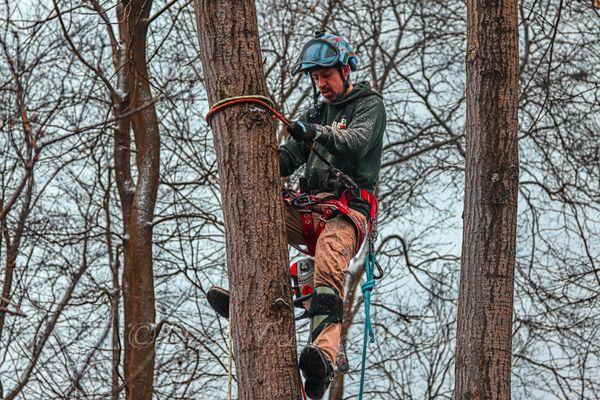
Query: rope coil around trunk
[{"x": 262, "y": 101}]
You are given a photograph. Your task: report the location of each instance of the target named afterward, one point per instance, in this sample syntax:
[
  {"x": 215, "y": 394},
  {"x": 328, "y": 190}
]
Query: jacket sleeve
[
  {"x": 368, "y": 122},
  {"x": 292, "y": 154}
]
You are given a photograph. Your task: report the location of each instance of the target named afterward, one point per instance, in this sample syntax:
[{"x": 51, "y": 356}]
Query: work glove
[{"x": 302, "y": 132}]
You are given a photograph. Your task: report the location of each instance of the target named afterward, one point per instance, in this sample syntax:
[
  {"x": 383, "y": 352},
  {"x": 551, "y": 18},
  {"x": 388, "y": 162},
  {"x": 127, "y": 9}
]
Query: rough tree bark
[
  {"x": 136, "y": 111},
  {"x": 484, "y": 337},
  {"x": 244, "y": 136}
]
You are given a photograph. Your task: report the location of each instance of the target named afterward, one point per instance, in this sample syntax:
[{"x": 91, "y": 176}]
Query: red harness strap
[
  {"x": 308, "y": 230},
  {"x": 373, "y": 207},
  {"x": 311, "y": 232}
]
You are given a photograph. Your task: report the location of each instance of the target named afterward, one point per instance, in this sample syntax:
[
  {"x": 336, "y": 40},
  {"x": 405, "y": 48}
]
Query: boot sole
[
  {"x": 218, "y": 298},
  {"x": 312, "y": 363},
  {"x": 316, "y": 372}
]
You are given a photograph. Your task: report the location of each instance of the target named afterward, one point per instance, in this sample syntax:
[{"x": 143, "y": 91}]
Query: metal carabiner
[{"x": 380, "y": 274}]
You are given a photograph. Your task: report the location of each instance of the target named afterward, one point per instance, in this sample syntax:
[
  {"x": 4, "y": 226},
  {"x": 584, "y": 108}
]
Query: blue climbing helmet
[{"x": 325, "y": 50}]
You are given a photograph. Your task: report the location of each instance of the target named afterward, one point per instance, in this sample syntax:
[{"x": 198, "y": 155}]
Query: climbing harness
[{"x": 330, "y": 204}]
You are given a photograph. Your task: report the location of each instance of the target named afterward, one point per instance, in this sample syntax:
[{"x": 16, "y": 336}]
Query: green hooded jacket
[{"x": 355, "y": 149}]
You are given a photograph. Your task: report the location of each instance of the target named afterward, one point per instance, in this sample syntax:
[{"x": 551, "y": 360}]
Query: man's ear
[{"x": 346, "y": 71}]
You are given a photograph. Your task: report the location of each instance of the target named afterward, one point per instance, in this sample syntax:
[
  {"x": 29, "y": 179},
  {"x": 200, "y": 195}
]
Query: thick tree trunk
[
  {"x": 244, "y": 136},
  {"x": 113, "y": 264},
  {"x": 484, "y": 338},
  {"x": 137, "y": 200}
]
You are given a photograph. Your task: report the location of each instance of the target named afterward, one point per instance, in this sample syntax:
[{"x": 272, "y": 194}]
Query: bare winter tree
[
  {"x": 39, "y": 280},
  {"x": 136, "y": 112},
  {"x": 485, "y": 304}
]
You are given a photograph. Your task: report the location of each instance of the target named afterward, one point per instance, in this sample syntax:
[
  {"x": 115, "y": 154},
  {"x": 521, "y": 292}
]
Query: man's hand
[{"x": 301, "y": 131}]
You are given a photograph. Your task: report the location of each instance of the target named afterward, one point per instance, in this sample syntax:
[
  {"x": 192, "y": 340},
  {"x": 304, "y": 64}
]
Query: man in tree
[{"x": 340, "y": 141}]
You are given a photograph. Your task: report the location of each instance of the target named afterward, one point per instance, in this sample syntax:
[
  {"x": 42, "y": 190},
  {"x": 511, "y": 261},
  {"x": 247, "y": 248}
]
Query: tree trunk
[
  {"x": 137, "y": 201},
  {"x": 244, "y": 136},
  {"x": 485, "y": 307},
  {"x": 113, "y": 264}
]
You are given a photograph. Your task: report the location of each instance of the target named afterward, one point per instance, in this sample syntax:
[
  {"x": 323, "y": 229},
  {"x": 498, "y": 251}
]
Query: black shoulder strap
[
  {"x": 314, "y": 113},
  {"x": 349, "y": 111}
]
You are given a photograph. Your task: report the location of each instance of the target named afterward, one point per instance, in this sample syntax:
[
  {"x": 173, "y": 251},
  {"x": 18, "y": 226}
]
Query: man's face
[{"x": 329, "y": 82}]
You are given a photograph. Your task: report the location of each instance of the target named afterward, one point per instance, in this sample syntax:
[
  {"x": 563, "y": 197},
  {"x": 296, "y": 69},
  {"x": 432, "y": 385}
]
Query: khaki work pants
[{"x": 335, "y": 248}]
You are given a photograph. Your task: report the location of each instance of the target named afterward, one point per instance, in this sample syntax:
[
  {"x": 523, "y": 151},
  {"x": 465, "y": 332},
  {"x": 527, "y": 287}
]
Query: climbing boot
[
  {"x": 317, "y": 371},
  {"x": 326, "y": 307},
  {"x": 218, "y": 298}
]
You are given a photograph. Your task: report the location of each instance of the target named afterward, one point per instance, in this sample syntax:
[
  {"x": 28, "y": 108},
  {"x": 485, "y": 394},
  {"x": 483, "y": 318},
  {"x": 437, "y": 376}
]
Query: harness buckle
[{"x": 303, "y": 202}]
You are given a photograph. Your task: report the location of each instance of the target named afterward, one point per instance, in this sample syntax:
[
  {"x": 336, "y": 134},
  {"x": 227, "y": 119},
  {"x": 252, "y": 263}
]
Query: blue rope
[{"x": 366, "y": 289}]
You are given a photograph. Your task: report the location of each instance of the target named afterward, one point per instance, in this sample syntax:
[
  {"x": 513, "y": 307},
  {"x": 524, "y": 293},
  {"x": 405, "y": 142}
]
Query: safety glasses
[{"x": 317, "y": 53}]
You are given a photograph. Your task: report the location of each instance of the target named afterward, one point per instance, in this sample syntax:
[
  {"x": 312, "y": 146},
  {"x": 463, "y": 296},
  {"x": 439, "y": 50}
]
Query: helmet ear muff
[{"x": 353, "y": 63}]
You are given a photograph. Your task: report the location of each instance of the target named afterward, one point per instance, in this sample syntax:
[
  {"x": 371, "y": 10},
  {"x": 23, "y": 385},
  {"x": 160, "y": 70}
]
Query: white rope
[{"x": 230, "y": 361}]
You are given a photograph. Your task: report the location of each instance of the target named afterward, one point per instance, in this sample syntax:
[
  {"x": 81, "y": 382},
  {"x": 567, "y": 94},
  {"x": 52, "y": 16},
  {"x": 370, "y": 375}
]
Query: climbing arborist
[{"x": 340, "y": 141}]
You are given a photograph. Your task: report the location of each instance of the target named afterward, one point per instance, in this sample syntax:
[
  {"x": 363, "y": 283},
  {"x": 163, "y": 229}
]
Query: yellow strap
[{"x": 230, "y": 361}]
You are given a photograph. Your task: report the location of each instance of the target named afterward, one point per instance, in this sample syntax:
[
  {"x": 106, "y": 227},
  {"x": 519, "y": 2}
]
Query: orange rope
[{"x": 246, "y": 99}]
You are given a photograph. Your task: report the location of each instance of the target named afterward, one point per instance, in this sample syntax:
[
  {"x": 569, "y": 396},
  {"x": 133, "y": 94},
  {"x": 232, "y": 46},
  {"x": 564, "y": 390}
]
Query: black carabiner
[{"x": 380, "y": 274}]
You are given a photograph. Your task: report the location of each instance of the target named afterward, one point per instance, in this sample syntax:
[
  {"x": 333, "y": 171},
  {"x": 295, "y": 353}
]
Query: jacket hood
[{"x": 361, "y": 89}]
